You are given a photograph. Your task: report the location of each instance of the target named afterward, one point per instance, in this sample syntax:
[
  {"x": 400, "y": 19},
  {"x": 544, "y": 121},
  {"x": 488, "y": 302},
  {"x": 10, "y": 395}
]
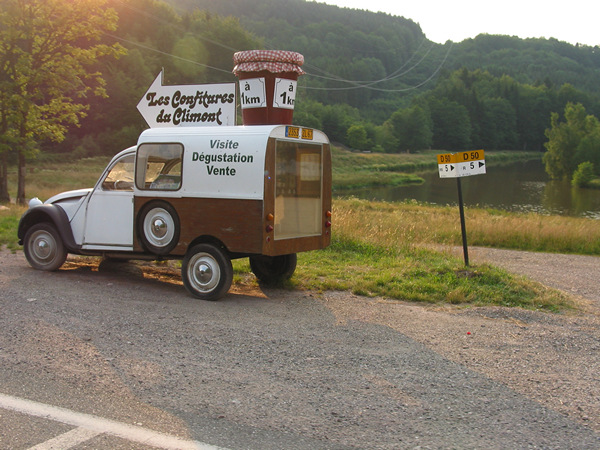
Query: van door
[{"x": 109, "y": 213}]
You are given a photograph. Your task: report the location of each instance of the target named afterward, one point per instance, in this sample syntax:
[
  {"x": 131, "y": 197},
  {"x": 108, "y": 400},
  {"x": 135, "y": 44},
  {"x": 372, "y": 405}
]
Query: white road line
[
  {"x": 67, "y": 440},
  {"x": 101, "y": 425}
]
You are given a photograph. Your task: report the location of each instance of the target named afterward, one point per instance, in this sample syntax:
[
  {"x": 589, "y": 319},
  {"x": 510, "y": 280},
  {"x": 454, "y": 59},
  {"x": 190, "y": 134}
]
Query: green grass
[
  {"x": 9, "y": 220},
  {"x": 46, "y": 178},
  {"x": 420, "y": 275},
  {"x": 411, "y": 273}
]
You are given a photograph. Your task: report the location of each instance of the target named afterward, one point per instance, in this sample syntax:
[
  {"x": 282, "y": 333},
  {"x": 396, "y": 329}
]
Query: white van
[{"x": 204, "y": 195}]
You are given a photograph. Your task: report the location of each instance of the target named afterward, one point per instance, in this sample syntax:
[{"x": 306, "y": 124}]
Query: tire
[
  {"x": 159, "y": 228},
  {"x": 44, "y": 248},
  {"x": 273, "y": 269},
  {"x": 207, "y": 272}
]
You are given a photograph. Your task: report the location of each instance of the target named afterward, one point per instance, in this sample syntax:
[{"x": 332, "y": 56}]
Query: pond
[{"x": 520, "y": 187}]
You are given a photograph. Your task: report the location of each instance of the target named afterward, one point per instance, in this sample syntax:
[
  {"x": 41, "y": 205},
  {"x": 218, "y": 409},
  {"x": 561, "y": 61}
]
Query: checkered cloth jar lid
[{"x": 274, "y": 61}]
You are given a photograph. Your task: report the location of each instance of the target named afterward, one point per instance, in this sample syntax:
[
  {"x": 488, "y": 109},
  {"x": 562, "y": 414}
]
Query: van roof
[
  {"x": 212, "y": 131},
  {"x": 239, "y": 130}
]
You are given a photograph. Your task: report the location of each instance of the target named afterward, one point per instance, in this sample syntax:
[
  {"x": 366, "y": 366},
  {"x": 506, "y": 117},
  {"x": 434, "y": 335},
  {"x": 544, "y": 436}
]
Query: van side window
[
  {"x": 120, "y": 177},
  {"x": 158, "y": 167}
]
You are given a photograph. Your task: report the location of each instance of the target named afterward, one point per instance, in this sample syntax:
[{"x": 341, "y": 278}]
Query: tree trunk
[
  {"x": 4, "y": 196},
  {"x": 21, "y": 180}
]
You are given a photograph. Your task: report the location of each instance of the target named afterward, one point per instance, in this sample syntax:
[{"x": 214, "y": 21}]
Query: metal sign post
[
  {"x": 463, "y": 227},
  {"x": 457, "y": 165}
]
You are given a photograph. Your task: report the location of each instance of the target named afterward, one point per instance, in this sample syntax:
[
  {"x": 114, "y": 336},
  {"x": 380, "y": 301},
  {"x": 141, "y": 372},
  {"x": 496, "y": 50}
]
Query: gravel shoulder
[
  {"x": 550, "y": 358},
  {"x": 322, "y": 370}
]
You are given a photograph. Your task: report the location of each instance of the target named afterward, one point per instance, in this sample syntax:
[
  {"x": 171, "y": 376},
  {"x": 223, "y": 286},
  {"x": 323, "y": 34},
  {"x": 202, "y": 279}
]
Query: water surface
[{"x": 521, "y": 187}]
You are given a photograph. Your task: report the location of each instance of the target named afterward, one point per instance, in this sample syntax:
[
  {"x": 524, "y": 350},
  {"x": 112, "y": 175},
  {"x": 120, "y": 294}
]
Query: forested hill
[
  {"x": 374, "y": 81},
  {"x": 360, "y": 45}
]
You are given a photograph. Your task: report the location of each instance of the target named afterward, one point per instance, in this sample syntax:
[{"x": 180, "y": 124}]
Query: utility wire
[
  {"x": 356, "y": 84},
  {"x": 368, "y": 86},
  {"x": 145, "y": 47},
  {"x": 394, "y": 75}
]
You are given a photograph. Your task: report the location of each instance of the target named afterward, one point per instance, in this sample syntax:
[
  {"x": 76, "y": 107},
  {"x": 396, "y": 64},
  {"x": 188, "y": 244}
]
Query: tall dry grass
[{"x": 400, "y": 224}]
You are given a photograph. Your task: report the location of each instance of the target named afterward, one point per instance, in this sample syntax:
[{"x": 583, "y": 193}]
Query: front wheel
[
  {"x": 43, "y": 247},
  {"x": 273, "y": 269},
  {"x": 207, "y": 272}
]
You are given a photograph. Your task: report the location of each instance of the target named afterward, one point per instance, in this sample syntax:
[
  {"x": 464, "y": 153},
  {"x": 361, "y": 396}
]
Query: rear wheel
[
  {"x": 43, "y": 247},
  {"x": 207, "y": 272},
  {"x": 273, "y": 269}
]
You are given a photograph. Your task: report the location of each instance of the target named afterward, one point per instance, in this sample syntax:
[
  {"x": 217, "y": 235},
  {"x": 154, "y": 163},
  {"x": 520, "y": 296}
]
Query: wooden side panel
[{"x": 236, "y": 223}]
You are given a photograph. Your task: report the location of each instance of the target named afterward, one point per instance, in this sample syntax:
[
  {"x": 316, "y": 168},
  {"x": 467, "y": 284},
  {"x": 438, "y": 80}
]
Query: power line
[
  {"x": 145, "y": 47},
  {"x": 369, "y": 86},
  {"x": 394, "y": 75},
  {"x": 356, "y": 84}
]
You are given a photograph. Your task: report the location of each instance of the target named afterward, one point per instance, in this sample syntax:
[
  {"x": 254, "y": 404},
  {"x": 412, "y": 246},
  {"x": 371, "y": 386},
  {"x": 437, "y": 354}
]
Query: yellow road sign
[
  {"x": 461, "y": 164},
  {"x": 471, "y": 155},
  {"x": 446, "y": 158}
]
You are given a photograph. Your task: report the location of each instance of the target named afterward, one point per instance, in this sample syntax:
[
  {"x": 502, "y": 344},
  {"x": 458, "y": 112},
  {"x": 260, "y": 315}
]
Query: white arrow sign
[
  {"x": 471, "y": 168},
  {"x": 188, "y": 105}
]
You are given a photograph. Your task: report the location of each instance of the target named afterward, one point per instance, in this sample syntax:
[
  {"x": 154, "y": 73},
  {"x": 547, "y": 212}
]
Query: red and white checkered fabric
[{"x": 274, "y": 61}]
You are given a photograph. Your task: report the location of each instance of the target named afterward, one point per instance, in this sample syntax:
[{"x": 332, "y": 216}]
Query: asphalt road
[{"x": 257, "y": 370}]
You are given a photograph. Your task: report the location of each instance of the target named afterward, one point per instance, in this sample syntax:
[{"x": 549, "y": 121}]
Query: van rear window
[
  {"x": 298, "y": 189},
  {"x": 158, "y": 166}
]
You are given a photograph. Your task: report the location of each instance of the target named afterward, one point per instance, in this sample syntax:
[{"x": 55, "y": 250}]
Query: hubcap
[
  {"x": 204, "y": 272},
  {"x": 42, "y": 247},
  {"x": 159, "y": 227}
]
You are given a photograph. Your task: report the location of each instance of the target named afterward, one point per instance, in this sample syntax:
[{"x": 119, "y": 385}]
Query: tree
[
  {"x": 588, "y": 149},
  {"x": 499, "y": 124},
  {"x": 565, "y": 138},
  {"x": 412, "y": 128},
  {"x": 451, "y": 125},
  {"x": 356, "y": 137},
  {"x": 46, "y": 50}
]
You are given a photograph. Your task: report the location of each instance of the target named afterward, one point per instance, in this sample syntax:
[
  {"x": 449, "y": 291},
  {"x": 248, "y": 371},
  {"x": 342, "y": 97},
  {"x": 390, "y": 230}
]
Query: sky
[{"x": 573, "y": 21}]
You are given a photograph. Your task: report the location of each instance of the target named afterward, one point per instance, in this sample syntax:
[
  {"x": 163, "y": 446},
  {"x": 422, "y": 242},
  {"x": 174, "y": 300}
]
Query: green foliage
[
  {"x": 571, "y": 142},
  {"x": 583, "y": 175},
  {"x": 47, "y": 49},
  {"x": 368, "y": 69},
  {"x": 357, "y": 137},
  {"x": 193, "y": 48},
  {"x": 412, "y": 128},
  {"x": 451, "y": 125}
]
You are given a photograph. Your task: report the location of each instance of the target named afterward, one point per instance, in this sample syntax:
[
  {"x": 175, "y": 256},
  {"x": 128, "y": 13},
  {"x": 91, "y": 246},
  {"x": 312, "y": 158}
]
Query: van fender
[{"x": 53, "y": 214}]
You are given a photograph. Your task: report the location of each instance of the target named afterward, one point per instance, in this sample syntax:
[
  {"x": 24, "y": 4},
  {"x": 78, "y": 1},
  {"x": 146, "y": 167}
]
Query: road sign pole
[{"x": 463, "y": 227}]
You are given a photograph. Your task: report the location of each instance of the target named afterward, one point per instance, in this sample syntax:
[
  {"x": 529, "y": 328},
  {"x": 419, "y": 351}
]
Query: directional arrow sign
[
  {"x": 462, "y": 164},
  {"x": 447, "y": 165},
  {"x": 470, "y": 163},
  {"x": 471, "y": 168},
  {"x": 188, "y": 105}
]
